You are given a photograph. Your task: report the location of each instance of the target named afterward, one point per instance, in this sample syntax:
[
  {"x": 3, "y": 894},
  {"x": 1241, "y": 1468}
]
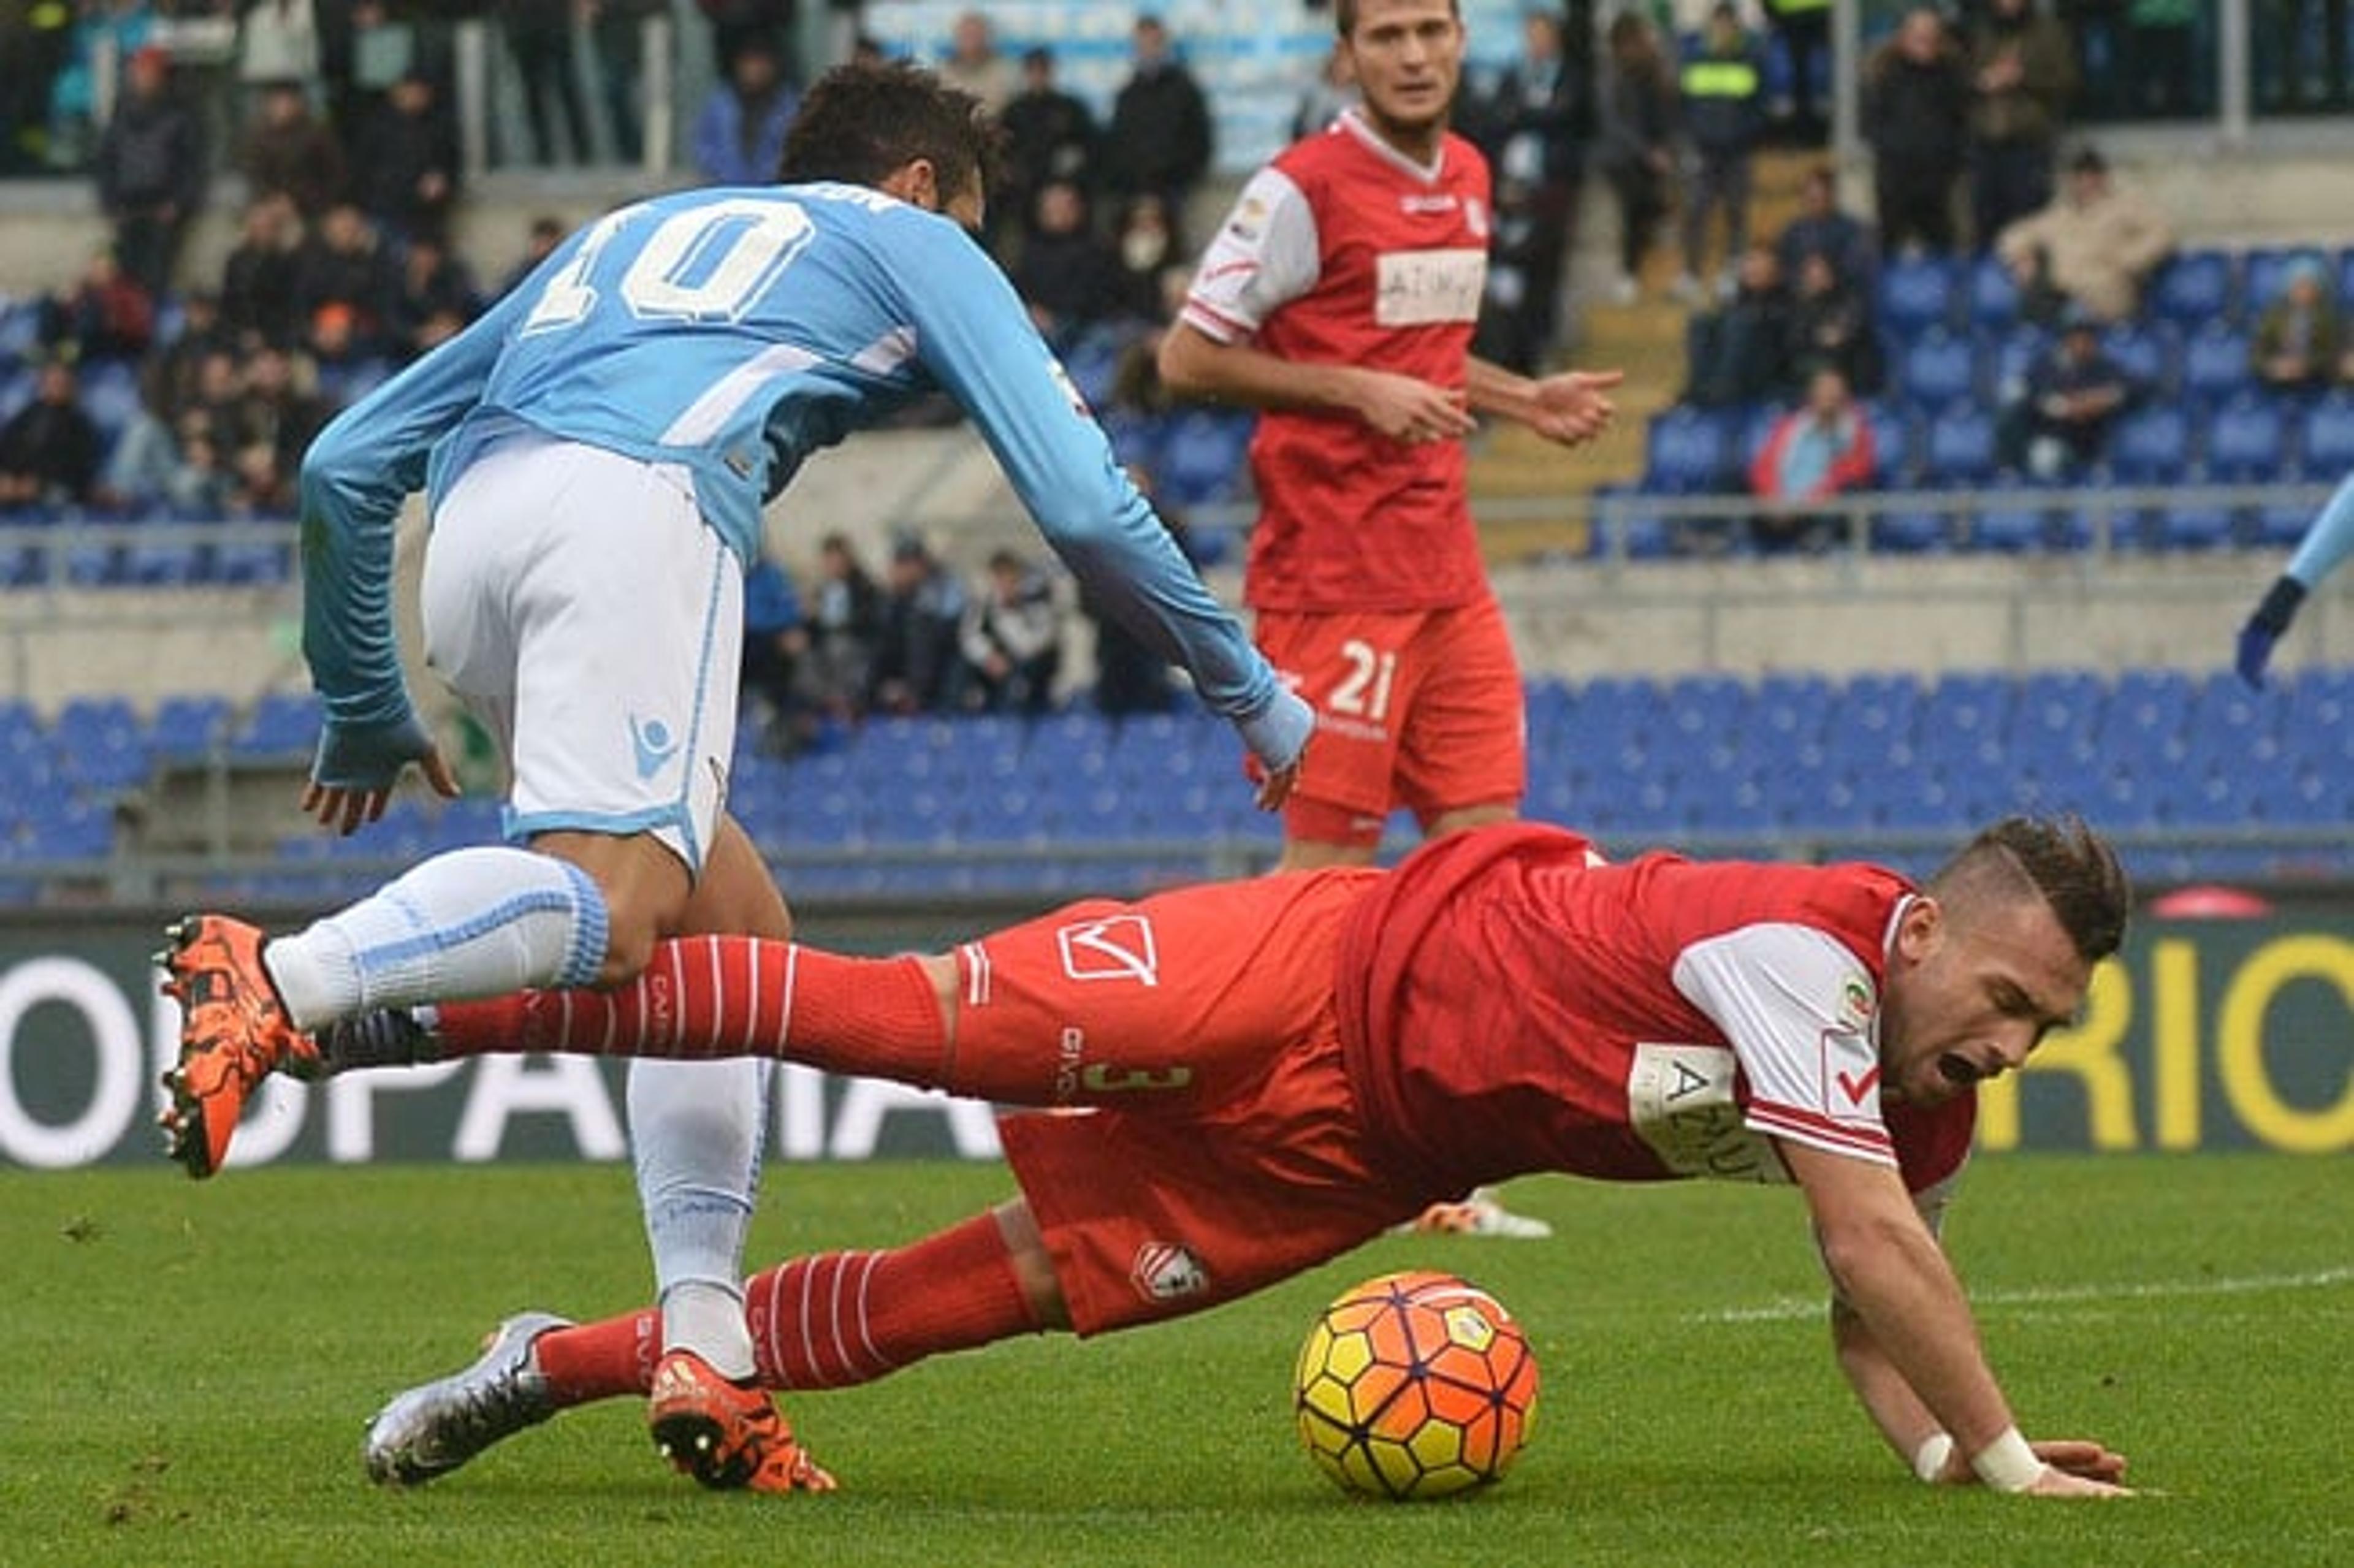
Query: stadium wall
[{"x": 2205, "y": 1035}]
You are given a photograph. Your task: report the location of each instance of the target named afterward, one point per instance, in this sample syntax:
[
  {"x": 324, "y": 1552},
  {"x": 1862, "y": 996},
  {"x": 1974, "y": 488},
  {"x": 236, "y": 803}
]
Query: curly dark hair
[
  {"x": 2062, "y": 859},
  {"x": 862, "y": 121},
  {"x": 1345, "y": 14}
]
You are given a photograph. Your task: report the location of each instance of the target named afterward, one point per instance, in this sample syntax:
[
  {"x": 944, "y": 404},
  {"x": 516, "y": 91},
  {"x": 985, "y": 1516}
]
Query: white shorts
[{"x": 588, "y": 616}]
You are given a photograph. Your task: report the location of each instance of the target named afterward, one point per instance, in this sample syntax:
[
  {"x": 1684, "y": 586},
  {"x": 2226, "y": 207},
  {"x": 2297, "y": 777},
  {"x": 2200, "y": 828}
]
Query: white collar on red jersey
[{"x": 1353, "y": 121}]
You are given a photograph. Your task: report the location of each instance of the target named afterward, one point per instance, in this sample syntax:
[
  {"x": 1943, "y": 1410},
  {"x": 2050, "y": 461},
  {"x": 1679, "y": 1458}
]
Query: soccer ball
[{"x": 1414, "y": 1385}]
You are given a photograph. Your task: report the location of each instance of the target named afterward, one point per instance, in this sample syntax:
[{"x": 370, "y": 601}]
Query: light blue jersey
[
  {"x": 2330, "y": 541},
  {"x": 735, "y": 332}
]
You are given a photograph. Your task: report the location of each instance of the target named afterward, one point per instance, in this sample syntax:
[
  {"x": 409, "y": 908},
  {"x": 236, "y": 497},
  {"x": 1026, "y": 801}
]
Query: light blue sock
[
  {"x": 695, "y": 1130},
  {"x": 471, "y": 923}
]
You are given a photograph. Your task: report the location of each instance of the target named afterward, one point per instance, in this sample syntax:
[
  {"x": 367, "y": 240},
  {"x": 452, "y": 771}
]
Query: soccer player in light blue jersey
[
  {"x": 2325, "y": 545},
  {"x": 595, "y": 452}
]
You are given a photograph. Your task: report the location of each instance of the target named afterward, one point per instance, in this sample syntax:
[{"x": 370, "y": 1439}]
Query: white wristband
[
  {"x": 2007, "y": 1464},
  {"x": 1929, "y": 1458}
]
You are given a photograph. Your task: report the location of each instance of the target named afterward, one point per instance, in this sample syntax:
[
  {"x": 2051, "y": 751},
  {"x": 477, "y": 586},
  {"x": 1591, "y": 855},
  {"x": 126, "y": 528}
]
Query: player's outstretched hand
[
  {"x": 2058, "y": 1483},
  {"x": 2083, "y": 1458},
  {"x": 1277, "y": 737},
  {"x": 1410, "y": 411},
  {"x": 356, "y": 766},
  {"x": 1573, "y": 407}
]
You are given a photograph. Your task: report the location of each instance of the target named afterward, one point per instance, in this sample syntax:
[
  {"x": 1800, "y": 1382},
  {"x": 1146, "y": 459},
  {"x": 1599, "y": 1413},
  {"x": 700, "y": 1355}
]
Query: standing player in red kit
[
  {"x": 1340, "y": 299},
  {"x": 1246, "y": 1079}
]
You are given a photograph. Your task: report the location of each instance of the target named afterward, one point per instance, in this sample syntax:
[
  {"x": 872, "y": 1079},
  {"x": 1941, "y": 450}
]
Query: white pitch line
[{"x": 1790, "y": 1309}]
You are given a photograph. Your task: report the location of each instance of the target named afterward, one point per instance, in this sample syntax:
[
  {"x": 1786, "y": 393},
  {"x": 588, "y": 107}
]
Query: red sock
[
  {"x": 706, "y": 997},
  {"x": 843, "y": 1317},
  {"x": 601, "y": 1360}
]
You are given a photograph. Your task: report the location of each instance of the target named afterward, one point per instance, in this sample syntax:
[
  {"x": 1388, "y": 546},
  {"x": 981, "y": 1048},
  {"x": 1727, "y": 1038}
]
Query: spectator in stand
[
  {"x": 1011, "y": 640},
  {"x": 916, "y": 666},
  {"x": 1070, "y": 279},
  {"x": 1161, "y": 139},
  {"x": 1638, "y": 126},
  {"x": 1532, "y": 126},
  {"x": 290, "y": 151},
  {"x": 740, "y": 25},
  {"x": 1819, "y": 450},
  {"x": 150, "y": 172},
  {"x": 775, "y": 642},
  {"x": 2059, "y": 427},
  {"x": 1805, "y": 26},
  {"x": 1822, "y": 229},
  {"x": 1740, "y": 355},
  {"x": 1334, "y": 89},
  {"x": 1830, "y": 324},
  {"x": 2092, "y": 247},
  {"x": 2023, "y": 74},
  {"x": 437, "y": 288},
  {"x": 846, "y": 621},
  {"x": 2300, "y": 338},
  {"x": 1147, "y": 244},
  {"x": 1916, "y": 114},
  {"x": 539, "y": 37},
  {"x": 104, "y": 314},
  {"x": 260, "y": 295},
  {"x": 268, "y": 429},
  {"x": 345, "y": 263},
  {"x": 740, "y": 136},
  {"x": 93, "y": 29},
  {"x": 1130, "y": 678},
  {"x": 168, "y": 374},
  {"x": 1724, "y": 116},
  {"x": 540, "y": 241},
  {"x": 50, "y": 449},
  {"x": 974, "y": 66},
  {"x": 157, "y": 464},
  {"x": 1049, "y": 135},
  {"x": 408, "y": 161},
  {"x": 616, "y": 28}
]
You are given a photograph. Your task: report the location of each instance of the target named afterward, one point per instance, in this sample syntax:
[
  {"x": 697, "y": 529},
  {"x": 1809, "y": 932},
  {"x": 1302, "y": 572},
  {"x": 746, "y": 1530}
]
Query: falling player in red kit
[
  {"x": 1340, "y": 299},
  {"x": 1269, "y": 1072}
]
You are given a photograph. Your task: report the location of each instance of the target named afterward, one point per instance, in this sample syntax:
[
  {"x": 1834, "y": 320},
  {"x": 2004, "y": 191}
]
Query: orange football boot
[
  {"x": 726, "y": 1437},
  {"x": 234, "y": 1033}
]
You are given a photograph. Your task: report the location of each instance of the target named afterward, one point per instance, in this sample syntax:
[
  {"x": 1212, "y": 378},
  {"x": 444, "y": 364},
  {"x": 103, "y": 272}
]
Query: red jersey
[
  {"x": 1344, "y": 251},
  {"x": 1506, "y": 1005}
]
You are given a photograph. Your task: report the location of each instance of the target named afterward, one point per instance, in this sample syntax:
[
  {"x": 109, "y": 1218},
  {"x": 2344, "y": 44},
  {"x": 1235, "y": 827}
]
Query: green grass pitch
[{"x": 188, "y": 1368}]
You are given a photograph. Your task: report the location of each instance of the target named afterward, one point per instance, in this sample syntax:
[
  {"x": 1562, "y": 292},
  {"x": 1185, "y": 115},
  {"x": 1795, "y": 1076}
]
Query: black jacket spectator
[
  {"x": 289, "y": 151},
  {"x": 2075, "y": 394},
  {"x": 1049, "y": 135},
  {"x": 346, "y": 264},
  {"x": 407, "y": 161},
  {"x": 1069, "y": 278},
  {"x": 50, "y": 449},
  {"x": 1160, "y": 137},
  {"x": 260, "y": 282},
  {"x": 1741, "y": 354},
  {"x": 151, "y": 171},
  {"x": 918, "y": 667},
  {"x": 1830, "y": 327},
  {"x": 1916, "y": 114}
]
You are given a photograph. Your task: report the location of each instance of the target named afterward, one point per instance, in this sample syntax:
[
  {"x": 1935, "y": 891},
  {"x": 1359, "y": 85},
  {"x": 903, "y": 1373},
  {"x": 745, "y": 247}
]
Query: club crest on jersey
[
  {"x": 1857, "y": 1005},
  {"x": 1116, "y": 947},
  {"x": 1164, "y": 1271},
  {"x": 654, "y": 744}
]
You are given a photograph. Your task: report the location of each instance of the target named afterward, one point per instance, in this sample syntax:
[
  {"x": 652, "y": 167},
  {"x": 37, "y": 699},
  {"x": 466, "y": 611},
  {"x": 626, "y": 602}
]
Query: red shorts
[
  {"x": 1415, "y": 708},
  {"x": 1208, "y": 1142}
]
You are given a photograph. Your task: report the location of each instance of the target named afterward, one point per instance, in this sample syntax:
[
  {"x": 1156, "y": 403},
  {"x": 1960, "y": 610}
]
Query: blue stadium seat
[
  {"x": 2193, "y": 289},
  {"x": 281, "y": 723},
  {"x": 2346, "y": 279},
  {"x": 17, "y": 384},
  {"x": 2326, "y": 436},
  {"x": 2193, "y": 527},
  {"x": 1203, "y": 460},
  {"x": 1993, "y": 304},
  {"x": 2013, "y": 523},
  {"x": 1687, "y": 449},
  {"x": 1895, "y": 443},
  {"x": 110, "y": 394},
  {"x": 1938, "y": 367},
  {"x": 2151, "y": 445},
  {"x": 1911, "y": 531},
  {"x": 2150, "y": 353},
  {"x": 1916, "y": 293},
  {"x": 2278, "y": 526},
  {"x": 2247, "y": 440},
  {"x": 2215, "y": 364},
  {"x": 1959, "y": 446}
]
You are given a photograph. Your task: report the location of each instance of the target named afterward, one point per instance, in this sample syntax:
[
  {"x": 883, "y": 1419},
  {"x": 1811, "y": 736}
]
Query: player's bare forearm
[
  {"x": 1569, "y": 409},
  {"x": 1880, "y": 1388},
  {"x": 1195, "y": 365},
  {"x": 1887, "y": 1266}
]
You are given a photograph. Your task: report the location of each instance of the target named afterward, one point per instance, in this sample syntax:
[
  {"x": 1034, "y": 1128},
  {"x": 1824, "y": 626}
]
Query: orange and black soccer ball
[{"x": 1415, "y": 1385}]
